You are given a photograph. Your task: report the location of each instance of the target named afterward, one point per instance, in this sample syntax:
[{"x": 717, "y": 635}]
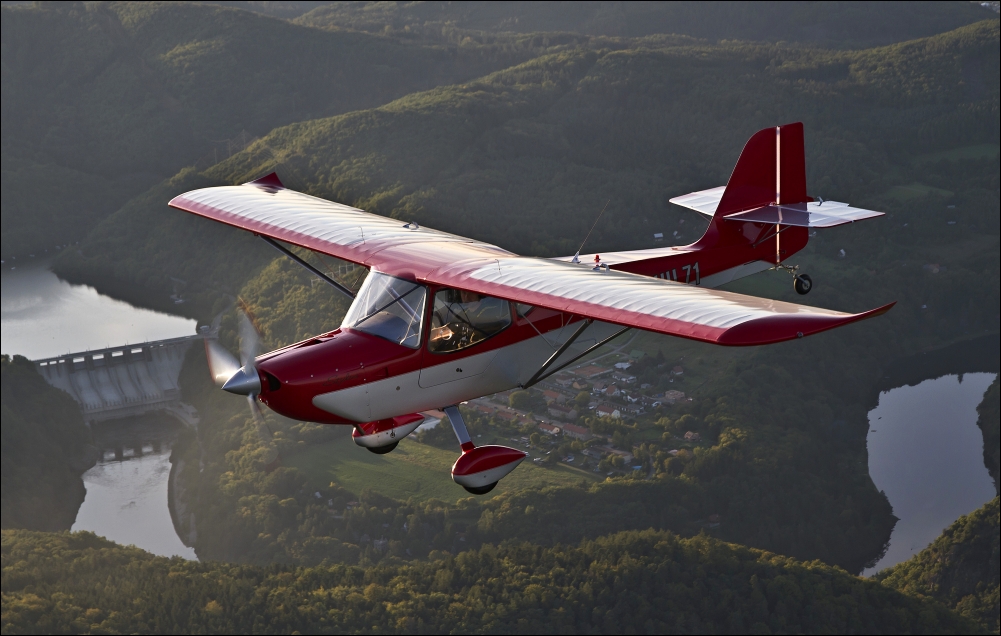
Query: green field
[
  {"x": 915, "y": 190},
  {"x": 413, "y": 470},
  {"x": 978, "y": 151}
]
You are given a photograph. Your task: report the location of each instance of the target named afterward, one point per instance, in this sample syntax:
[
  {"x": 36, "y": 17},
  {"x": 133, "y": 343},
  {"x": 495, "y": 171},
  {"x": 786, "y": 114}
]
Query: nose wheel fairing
[{"x": 384, "y": 433}]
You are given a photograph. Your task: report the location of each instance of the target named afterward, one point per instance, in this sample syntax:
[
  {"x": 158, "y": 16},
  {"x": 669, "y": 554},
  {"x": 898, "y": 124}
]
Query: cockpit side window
[
  {"x": 462, "y": 319},
  {"x": 391, "y": 308}
]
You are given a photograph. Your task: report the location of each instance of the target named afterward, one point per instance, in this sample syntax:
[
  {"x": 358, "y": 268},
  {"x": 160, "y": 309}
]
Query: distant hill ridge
[
  {"x": 629, "y": 582},
  {"x": 962, "y": 568}
]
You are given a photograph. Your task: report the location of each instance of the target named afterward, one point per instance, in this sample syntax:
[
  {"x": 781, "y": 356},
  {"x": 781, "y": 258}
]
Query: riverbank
[
  {"x": 45, "y": 448},
  {"x": 181, "y": 514}
]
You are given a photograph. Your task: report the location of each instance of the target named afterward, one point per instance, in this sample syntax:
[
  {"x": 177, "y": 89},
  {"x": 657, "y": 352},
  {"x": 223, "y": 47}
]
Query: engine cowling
[
  {"x": 386, "y": 434},
  {"x": 479, "y": 469}
]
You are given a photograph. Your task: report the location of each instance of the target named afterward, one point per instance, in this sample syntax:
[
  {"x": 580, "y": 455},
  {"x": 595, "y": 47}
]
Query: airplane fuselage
[{"x": 348, "y": 376}]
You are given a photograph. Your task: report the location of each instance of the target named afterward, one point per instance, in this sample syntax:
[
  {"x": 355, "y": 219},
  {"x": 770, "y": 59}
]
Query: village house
[
  {"x": 623, "y": 378},
  {"x": 626, "y": 456},
  {"x": 593, "y": 452},
  {"x": 591, "y": 371},
  {"x": 693, "y": 437},
  {"x": 580, "y": 385},
  {"x": 622, "y": 366},
  {"x": 677, "y": 370},
  {"x": 604, "y": 410},
  {"x": 562, "y": 412},
  {"x": 433, "y": 417},
  {"x": 673, "y": 396},
  {"x": 511, "y": 415},
  {"x": 553, "y": 396},
  {"x": 576, "y": 432},
  {"x": 563, "y": 380},
  {"x": 632, "y": 409},
  {"x": 549, "y": 429},
  {"x": 611, "y": 391},
  {"x": 598, "y": 387}
]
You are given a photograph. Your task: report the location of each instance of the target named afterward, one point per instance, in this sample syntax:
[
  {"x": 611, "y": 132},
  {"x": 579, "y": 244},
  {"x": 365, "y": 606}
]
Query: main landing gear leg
[{"x": 479, "y": 469}]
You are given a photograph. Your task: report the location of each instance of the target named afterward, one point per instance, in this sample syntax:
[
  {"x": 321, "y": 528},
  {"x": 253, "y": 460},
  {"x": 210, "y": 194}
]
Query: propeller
[{"x": 242, "y": 377}]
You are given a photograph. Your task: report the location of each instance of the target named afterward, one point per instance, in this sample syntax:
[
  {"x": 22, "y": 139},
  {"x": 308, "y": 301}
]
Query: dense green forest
[
  {"x": 523, "y": 156},
  {"x": 827, "y": 24},
  {"x": 628, "y": 582},
  {"x": 962, "y": 568},
  {"x": 512, "y": 123},
  {"x": 43, "y": 450},
  {"x": 103, "y": 100},
  {"x": 989, "y": 421}
]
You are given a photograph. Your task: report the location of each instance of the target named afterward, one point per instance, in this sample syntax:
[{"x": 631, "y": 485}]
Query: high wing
[{"x": 387, "y": 245}]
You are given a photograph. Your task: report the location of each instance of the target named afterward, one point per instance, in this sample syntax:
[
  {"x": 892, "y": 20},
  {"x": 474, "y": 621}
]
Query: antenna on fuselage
[{"x": 576, "y": 257}]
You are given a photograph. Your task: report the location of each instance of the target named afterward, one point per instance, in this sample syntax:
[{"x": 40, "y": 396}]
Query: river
[
  {"x": 926, "y": 454},
  {"x": 925, "y": 450},
  {"x": 126, "y": 498},
  {"x": 43, "y": 316}
]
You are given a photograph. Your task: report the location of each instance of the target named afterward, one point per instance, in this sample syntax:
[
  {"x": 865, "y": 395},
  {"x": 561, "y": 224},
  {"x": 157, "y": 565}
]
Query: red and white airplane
[{"x": 441, "y": 319}]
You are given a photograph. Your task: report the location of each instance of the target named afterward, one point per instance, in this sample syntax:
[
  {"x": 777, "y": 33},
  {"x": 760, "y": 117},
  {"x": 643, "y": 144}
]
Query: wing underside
[{"x": 393, "y": 247}]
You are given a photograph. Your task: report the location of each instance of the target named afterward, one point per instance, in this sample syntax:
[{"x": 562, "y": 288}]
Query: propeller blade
[
  {"x": 250, "y": 341},
  {"x": 245, "y": 380},
  {"x": 222, "y": 365},
  {"x": 263, "y": 431}
]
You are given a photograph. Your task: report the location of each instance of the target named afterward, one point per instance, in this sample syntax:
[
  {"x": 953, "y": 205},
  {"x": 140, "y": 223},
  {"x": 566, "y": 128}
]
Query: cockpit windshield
[{"x": 391, "y": 308}]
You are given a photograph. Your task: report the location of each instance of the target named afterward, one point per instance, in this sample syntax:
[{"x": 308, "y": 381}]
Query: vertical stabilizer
[{"x": 771, "y": 169}]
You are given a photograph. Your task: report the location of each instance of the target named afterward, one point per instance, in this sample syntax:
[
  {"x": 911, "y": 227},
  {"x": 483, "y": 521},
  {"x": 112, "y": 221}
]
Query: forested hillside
[
  {"x": 989, "y": 421},
  {"x": 44, "y": 450},
  {"x": 962, "y": 568},
  {"x": 512, "y": 123},
  {"x": 81, "y": 583},
  {"x": 828, "y": 24},
  {"x": 103, "y": 100},
  {"x": 526, "y": 157}
]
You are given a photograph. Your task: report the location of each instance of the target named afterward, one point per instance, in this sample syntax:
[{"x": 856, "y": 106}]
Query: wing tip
[
  {"x": 270, "y": 180},
  {"x": 781, "y": 328}
]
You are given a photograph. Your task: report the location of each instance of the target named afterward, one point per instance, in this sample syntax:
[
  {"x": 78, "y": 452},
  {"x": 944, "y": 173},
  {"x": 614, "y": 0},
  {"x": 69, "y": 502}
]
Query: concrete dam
[{"x": 124, "y": 381}]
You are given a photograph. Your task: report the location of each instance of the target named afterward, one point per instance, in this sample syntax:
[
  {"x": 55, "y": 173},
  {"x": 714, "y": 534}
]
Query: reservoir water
[
  {"x": 126, "y": 498},
  {"x": 925, "y": 450},
  {"x": 926, "y": 454},
  {"x": 43, "y": 316}
]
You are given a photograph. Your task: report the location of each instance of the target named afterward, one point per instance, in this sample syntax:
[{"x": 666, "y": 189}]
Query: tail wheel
[
  {"x": 382, "y": 450},
  {"x": 480, "y": 490},
  {"x": 803, "y": 284}
]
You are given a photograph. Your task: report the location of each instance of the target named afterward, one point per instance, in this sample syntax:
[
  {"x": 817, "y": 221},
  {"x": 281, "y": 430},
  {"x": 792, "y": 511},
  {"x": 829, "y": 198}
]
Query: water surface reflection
[
  {"x": 43, "y": 316},
  {"x": 926, "y": 454},
  {"x": 127, "y": 490}
]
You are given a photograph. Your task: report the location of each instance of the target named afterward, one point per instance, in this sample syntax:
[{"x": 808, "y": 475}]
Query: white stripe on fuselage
[
  {"x": 485, "y": 373},
  {"x": 508, "y": 368},
  {"x": 732, "y": 274}
]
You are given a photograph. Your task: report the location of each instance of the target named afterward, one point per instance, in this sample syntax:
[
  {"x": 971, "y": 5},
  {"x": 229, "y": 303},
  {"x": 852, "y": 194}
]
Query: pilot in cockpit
[{"x": 462, "y": 318}]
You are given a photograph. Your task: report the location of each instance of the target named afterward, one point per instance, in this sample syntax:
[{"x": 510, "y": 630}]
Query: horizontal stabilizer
[
  {"x": 826, "y": 214},
  {"x": 823, "y": 214},
  {"x": 703, "y": 201}
]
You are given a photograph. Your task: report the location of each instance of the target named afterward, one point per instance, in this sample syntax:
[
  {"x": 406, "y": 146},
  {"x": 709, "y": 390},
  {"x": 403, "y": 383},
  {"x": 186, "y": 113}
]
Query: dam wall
[{"x": 124, "y": 381}]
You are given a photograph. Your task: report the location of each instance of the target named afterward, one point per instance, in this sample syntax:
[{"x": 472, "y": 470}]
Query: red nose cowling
[{"x": 291, "y": 377}]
